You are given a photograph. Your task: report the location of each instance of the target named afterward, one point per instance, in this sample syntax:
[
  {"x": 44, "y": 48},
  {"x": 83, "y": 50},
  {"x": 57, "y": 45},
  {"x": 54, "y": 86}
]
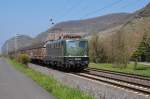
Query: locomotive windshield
[
  {"x": 72, "y": 44},
  {"x": 76, "y": 48}
]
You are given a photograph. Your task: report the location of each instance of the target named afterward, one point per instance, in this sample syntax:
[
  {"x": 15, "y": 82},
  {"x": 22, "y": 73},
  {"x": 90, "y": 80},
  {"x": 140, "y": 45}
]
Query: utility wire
[
  {"x": 129, "y": 4},
  {"x": 105, "y": 7},
  {"x": 77, "y": 4}
]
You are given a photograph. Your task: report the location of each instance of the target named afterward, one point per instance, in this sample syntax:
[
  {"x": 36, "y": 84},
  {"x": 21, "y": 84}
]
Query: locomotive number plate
[{"x": 77, "y": 58}]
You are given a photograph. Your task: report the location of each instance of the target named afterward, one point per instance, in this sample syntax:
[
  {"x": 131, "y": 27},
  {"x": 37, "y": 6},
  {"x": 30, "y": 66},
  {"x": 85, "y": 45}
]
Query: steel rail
[
  {"x": 121, "y": 84},
  {"x": 120, "y": 73}
]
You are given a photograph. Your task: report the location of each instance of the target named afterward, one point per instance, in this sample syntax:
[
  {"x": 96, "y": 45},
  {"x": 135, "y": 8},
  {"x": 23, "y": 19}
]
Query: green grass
[
  {"x": 140, "y": 70},
  {"x": 50, "y": 84}
]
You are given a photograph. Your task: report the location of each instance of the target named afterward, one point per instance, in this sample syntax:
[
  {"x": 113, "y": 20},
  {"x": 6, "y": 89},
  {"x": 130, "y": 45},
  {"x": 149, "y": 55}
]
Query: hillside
[
  {"x": 145, "y": 12},
  {"x": 88, "y": 26},
  {"x": 21, "y": 41}
]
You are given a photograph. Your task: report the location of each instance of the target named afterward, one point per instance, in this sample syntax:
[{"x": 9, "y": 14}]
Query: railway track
[
  {"x": 138, "y": 84},
  {"x": 120, "y": 73},
  {"x": 128, "y": 78}
]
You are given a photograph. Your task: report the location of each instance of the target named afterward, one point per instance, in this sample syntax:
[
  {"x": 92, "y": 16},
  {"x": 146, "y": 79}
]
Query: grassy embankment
[
  {"x": 50, "y": 84},
  {"x": 140, "y": 70}
]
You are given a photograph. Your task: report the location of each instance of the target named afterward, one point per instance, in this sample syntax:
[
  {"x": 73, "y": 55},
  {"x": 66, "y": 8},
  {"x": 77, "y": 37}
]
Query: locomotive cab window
[
  {"x": 82, "y": 44},
  {"x": 72, "y": 44}
]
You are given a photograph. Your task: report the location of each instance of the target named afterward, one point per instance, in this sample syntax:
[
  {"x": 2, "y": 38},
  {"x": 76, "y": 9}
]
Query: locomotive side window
[
  {"x": 59, "y": 45},
  {"x": 54, "y": 45},
  {"x": 51, "y": 45},
  {"x": 82, "y": 44}
]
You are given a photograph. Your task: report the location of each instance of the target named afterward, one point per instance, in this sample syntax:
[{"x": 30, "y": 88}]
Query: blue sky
[{"x": 31, "y": 17}]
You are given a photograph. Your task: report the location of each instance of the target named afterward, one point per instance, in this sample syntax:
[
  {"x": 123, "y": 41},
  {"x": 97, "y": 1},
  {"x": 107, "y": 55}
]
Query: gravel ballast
[{"x": 97, "y": 89}]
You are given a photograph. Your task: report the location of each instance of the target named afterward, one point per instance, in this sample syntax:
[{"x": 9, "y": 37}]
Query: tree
[
  {"x": 120, "y": 51},
  {"x": 143, "y": 51},
  {"x": 147, "y": 50},
  {"x": 139, "y": 54},
  {"x": 96, "y": 50}
]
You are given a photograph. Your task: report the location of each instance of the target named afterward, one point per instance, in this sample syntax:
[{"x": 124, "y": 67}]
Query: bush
[
  {"x": 11, "y": 56},
  {"x": 23, "y": 58}
]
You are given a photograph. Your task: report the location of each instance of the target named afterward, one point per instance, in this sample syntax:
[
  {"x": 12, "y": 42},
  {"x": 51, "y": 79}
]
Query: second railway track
[
  {"x": 128, "y": 78},
  {"x": 120, "y": 73},
  {"x": 138, "y": 84}
]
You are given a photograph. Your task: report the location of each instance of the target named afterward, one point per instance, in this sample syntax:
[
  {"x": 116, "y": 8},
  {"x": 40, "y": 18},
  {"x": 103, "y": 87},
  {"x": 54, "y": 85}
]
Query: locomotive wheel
[
  {"x": 66, "y": 67},
  {"x": 58, "y": 65}
]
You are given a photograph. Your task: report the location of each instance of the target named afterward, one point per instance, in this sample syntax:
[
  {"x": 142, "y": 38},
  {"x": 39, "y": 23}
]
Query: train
[{"x": 68, "y": 54}]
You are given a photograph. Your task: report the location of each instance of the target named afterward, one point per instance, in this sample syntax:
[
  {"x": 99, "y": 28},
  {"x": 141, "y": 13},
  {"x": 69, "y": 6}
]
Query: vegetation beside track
[
  {"x": 140, "y": 69},
  {"x": 50, "y": 84}
]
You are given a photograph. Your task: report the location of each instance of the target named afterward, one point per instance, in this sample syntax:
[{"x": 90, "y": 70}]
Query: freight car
[{"x": 68, "y": 54}]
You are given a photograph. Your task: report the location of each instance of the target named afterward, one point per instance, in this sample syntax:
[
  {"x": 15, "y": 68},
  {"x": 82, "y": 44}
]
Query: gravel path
[
  {"x": 15, "y": 85},
  {"x": 97, "y": 89},
  {"x": 145, "y": 63}
]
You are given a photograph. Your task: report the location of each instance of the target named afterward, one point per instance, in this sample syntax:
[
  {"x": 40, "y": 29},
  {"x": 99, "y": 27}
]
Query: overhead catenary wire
[
  {"x": 108, "y": 6},
  {"x": 103, "y": 8},
  {"x": 73, "y": 7},
  {"x": 129, "y": 4}
]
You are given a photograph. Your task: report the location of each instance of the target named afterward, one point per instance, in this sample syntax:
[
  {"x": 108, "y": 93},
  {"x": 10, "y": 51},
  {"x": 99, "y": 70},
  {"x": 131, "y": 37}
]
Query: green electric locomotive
[{"x": 70, "y": 54}]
